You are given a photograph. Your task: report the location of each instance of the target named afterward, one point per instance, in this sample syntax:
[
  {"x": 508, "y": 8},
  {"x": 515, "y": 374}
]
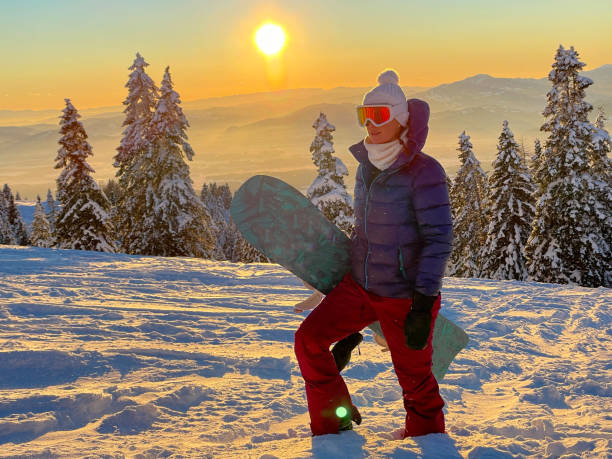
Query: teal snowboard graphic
[{"x": 286, "y": 227}]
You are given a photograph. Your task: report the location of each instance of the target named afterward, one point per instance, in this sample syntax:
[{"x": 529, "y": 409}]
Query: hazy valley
[{"x": 238, "y": 136}]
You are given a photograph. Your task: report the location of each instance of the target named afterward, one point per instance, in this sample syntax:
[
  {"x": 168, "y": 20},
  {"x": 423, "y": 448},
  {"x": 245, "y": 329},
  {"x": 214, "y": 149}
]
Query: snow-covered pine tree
[
  {"x": 602, "y": 171},
  {"x": 51, "y": 210},
  {"x": 171, "y": 221},
  {"x": 6, "y": 232},
  {"x": 535, "y": 161},
  {"x": 468, "y": 205},
  {"x": 210, "y": 197},
  {"x": 328, "y": 191},
  {"x": 41, "y": 230},
  {"x": 230, "y": 244},
  {"x": 510, "y": 210},
  {"x": 140, "y": 106},
  {"x": 242, "y": 251},
  {"x": 567, "y": 242},
  {"x": 602, "y": 146},
  {"x": 17, "y": 196},
  {"x": 83, "y": 221},
  {"x": 112, "y": 190},
  {"x": 15, "y": 221}
]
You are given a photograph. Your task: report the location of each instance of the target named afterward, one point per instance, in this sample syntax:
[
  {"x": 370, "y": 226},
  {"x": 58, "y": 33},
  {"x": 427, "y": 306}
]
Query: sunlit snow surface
[{"x": 177, "y": 357}]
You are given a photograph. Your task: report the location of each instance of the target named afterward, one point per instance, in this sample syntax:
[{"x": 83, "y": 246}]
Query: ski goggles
[{"x": 378, "y": 115}]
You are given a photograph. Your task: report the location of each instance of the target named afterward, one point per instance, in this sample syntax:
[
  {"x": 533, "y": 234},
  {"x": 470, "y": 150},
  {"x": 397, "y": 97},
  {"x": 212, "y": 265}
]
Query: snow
[{"x": 118, "y": 355}]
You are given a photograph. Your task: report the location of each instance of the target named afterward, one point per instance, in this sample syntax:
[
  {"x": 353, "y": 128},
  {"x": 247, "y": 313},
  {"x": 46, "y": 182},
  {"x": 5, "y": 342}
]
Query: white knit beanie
[{"x": 388, "y": 92}]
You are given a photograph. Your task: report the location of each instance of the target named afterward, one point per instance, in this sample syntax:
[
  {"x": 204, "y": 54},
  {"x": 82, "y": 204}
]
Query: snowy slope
[{"x": 159, "y": 357}]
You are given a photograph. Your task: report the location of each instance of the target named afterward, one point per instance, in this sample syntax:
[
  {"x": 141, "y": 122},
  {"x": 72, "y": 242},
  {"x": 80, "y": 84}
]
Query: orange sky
[{"x": 81, "y": 49}]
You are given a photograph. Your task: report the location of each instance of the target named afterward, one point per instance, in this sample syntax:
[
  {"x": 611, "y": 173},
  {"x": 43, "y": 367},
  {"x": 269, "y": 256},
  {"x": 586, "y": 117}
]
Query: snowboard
[{"x": 285, "y": 226}]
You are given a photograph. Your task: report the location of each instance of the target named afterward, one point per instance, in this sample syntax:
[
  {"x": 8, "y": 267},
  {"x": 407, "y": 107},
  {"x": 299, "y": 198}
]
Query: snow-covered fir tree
[
  {"x": 6, "y": 232},
  {"x": 568, "y": 241},
  {"x": 83, "y": 222},
  {"x": 171, "y": 219},
  {"x": 112, "y": 190},
  {"x": 468, "y": 206},
  {"x": 242, "y": 251},
  {"x": 230, "y": 244},
  {"x": 51, "y": 210},
  {"x": 602, "y": 171},
  {"x": 17, "y": 196},
  {"x": 114, "y": 193},
  {"x": 140, "y": 106},
  {"x": 602, "y": 146},
  {"x": 211, "y": 196},
  {"x": 40, "y": 235},
  {"x": 510, "y": 212},
  {"x": 328, "y": 191},
  {"x": 534, "y": 161},
  {"x": 15, "y": 221}
]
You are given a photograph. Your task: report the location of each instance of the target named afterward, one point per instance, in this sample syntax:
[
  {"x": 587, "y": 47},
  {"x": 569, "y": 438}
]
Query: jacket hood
[
  {"x": 418, "y": 126},
  {"x": 413, "y": 138}
]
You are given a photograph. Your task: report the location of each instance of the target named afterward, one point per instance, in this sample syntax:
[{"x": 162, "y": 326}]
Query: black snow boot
[
  {"x": 343, "y": 348},
  {"x": 346, "y": 423}
]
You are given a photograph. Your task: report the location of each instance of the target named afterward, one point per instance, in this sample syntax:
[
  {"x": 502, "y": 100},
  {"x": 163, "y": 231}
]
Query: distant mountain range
[{"x": 237, "y": 136}]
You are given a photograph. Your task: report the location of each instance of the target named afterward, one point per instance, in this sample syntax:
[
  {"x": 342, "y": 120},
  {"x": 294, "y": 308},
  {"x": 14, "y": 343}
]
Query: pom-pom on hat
[{"x": 388, "y": 92}]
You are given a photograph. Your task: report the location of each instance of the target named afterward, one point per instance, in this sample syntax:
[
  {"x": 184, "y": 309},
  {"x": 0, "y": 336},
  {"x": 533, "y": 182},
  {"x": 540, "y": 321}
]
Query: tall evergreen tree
[
  {"x": 468, "y": 206},
  {"x": 602, "y": 146},
  {"x": 219, "y": 217},
  {"x": 511, "y": 211},
  {"x": 15, "y": 221},
  {"x": 535, "y": 161},
  {"x": 229, "y": 242},
  {"x": 140, "y": 106},
  {"x": 6, "y": 232},
  {"x": 567, "y": 243},
  {"x": 172, "y": 221},
  {"x": 328, "y": 191},
  {"x": 51, "y": 210},
  {"x": 41, "y": 230},
  {"x": 112, "y": 190},
  {"x": 602, "y": 171},
  {"x": 83, "y": 221}
]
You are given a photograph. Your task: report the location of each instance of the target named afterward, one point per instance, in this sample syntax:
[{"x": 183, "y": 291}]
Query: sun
[{"x": 270, "y": 38}]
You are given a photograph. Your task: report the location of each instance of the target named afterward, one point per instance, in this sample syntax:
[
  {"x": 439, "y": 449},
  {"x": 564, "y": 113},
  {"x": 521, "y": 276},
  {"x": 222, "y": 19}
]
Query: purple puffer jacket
[{"x": 403, "y": 229}]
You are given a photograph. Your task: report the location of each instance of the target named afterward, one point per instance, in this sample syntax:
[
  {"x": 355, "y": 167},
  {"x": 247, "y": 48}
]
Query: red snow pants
[{"x": 348, "y": 309}]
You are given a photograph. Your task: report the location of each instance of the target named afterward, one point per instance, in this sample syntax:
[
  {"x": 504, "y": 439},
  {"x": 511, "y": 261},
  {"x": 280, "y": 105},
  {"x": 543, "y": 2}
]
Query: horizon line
[{"x": 30, "y": 110}]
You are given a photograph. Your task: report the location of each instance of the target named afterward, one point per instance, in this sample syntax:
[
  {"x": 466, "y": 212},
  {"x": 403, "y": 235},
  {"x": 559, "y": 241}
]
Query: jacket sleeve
[{"x": 433, "y": 214}]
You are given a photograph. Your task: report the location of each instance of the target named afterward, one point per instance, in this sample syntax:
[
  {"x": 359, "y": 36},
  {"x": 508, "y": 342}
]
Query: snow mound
[
  {"x": 130, "y": 421},
  {"x": 186, "y": 397}
]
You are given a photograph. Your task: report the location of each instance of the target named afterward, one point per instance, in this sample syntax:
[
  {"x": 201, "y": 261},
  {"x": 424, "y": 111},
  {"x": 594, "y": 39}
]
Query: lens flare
[{"x": 341, "y": 412}]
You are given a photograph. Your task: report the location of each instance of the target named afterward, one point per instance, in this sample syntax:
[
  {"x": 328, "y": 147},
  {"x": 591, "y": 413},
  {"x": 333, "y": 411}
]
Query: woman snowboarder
[{"x": 401, "y": 242}]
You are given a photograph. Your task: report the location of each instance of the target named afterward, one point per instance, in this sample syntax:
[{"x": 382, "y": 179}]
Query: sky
[{"x": 81, "y": 50}]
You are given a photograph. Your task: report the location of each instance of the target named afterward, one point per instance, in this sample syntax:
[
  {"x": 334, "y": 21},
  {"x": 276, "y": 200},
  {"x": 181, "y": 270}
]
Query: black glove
[{"x": 418, "y": 321}]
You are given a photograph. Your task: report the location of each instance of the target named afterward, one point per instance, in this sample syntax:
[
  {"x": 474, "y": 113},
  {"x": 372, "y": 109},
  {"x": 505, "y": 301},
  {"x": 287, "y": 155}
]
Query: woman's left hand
[{"x": 309, "y": 303}]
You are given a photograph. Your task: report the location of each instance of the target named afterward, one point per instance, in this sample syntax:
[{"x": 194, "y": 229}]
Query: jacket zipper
[
  {"x": 401, "y": 261},
  {"x": 365, "y": 224}
]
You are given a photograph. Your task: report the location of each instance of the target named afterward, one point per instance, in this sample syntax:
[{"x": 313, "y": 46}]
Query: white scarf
[{"x": 382, "y": 155}]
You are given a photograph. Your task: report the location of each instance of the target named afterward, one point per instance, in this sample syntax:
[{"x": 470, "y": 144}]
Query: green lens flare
[{"x": 341, "y": 412}]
